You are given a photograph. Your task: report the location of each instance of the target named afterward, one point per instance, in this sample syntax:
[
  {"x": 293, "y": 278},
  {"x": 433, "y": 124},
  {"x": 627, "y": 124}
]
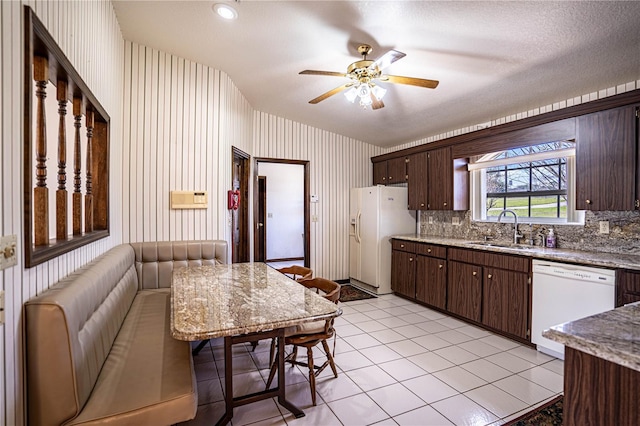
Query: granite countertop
[
  {"x": 613, "y": 335},
  {"x": 227, "y": 300},
  {"x": 590, "y": 258}
]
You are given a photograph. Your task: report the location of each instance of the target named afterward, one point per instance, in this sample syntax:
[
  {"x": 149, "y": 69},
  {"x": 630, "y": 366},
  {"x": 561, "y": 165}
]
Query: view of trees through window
[{"x": 531, "y": 188}]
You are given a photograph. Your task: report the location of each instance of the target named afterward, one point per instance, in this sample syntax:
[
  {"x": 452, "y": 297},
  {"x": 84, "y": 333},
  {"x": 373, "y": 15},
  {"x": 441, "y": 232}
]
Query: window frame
[{"x": 478, "y": 168}]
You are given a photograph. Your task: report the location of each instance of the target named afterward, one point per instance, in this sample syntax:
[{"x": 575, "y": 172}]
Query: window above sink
[{"x": 537, "y": 182}]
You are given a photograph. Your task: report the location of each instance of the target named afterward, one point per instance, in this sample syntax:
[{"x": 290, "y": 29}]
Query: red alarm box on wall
[{"x": 233, "y": 199}]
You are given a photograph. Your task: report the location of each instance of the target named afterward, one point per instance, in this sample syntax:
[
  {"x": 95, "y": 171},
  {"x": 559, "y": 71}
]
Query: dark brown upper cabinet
[
  {"x": 437, "y": 182},
  {"x": 606, "y": 160},
  {"x": 380, "y": 173}
]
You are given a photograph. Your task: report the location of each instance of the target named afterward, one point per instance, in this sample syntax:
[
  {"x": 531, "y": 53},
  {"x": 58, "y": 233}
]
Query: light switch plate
[{"x": 8, "y": 250}]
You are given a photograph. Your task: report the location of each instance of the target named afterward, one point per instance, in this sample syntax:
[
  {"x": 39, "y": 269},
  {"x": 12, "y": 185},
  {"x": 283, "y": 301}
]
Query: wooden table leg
[{"x": 228, "y": 382}]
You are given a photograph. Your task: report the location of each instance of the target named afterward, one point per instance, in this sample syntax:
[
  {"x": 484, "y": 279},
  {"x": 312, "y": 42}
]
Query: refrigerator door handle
[{"x": 358, "y": 217}]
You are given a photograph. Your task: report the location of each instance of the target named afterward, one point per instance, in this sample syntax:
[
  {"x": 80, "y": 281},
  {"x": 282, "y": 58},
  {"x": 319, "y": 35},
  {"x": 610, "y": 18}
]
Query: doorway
[
  {"x": 240, "y": 215},
  {"x": 281, "y": 211}
]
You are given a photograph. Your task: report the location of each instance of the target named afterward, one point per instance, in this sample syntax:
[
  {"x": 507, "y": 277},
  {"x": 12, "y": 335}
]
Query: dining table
[{"x": 243, "y": 302}]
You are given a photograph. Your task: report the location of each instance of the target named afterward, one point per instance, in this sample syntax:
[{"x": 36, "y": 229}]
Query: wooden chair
[
  {"x": 296, "y": 272},
  {"x": 308, "y": 335}
]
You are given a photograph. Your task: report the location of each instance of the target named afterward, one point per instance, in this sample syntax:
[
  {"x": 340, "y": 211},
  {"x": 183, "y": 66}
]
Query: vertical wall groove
[{"x": 89, "y": 35}]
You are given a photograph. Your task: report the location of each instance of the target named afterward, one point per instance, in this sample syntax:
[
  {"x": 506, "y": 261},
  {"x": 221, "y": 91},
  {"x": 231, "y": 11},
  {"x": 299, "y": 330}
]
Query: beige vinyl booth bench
[{"x": 98, "y": 343}]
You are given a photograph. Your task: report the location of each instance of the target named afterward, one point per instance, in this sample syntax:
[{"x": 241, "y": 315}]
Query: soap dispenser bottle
[{"x": 551, "y": 239}]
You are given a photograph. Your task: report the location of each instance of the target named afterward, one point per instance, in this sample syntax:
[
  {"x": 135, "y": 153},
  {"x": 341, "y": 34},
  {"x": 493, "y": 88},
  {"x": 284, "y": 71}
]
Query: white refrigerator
[{"x": 376, "y": 213}]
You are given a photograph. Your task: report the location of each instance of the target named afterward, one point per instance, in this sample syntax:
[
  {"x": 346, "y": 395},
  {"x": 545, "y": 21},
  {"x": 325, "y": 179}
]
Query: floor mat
[{"x": 349, "y": 293}]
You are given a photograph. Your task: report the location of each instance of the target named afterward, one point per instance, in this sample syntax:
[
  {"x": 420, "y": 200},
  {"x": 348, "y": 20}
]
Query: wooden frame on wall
[{"x": 44, "y": 63}]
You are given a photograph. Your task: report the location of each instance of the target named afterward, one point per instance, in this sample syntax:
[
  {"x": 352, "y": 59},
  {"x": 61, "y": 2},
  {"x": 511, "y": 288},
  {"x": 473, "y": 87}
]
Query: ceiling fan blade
[
  {"x": 388, "y": 58},
  {"x": 330, "y": 93},
  {"x": 375, "y": 103},
  {"x": 429, "y": 84},
  {"x": 330, "y": 73}
]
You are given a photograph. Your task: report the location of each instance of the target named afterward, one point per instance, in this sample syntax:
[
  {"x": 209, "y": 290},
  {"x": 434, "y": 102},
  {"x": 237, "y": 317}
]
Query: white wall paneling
[
  {"x": 180, "y": 121},
  {"x": 89, "y": 35},
  {"x": 337, "y": 163}
]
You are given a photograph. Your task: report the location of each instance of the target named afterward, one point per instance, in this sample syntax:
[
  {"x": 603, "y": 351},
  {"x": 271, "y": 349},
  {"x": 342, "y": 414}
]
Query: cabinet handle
[
  {"x": 401, "y": 245},
  {"x": 475, "y": 273},
  {"x": 588, "y": 201},
  {"x": 444, "y": 204},
  {"x": 411, "y": 259},
  {"x": 428, "y": 250},
  {"x": 384, "y": 178},
  {"x": 439, "y": 266},
  {"x": 390, "y": 177},
  {"x": 421, "y": 204},
  {"x": 489, "y": 276}
]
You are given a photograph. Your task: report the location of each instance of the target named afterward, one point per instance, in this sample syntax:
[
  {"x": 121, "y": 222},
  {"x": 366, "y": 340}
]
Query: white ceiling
[{"x": 492, "y": 59}]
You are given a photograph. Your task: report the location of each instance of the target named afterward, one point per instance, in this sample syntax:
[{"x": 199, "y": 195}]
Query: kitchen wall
[
  {"x": 90, "y": 37},
  {"x": 181, "y": 120},
  {"x": 624, "y": 227}
]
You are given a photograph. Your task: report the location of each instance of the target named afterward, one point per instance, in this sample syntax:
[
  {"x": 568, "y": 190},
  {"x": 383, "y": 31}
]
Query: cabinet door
[
  {"x": 396, "y": 170},
  {"x": 505, "y": 301},
  {"x": 627, "y": 287},
  {"x": 431, "y": 281},
  {"x": 440, "y": 178},
  {"x": 464, "y": 290},
  {"x": 380, "y": 173},
  {"x": 403, "y": 273},
  {"x": 417, "y": 183},
  {"x": 606, "y": 160}
]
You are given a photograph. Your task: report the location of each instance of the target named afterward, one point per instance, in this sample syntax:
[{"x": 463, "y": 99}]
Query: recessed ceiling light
[{"x": 225, "y": 11}]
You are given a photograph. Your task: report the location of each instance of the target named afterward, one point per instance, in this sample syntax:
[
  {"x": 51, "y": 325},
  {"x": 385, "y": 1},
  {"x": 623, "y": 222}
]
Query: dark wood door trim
[
  {"x": 307, "y": 201},
  {"x": 241, "y": 219}
]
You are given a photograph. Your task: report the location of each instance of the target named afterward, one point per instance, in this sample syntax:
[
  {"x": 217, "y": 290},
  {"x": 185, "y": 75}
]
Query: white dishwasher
[{"x": 562, "y": 293}]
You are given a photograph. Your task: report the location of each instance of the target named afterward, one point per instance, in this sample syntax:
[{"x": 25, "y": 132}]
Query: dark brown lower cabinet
[
  {"x": 627, "y": 287},
  {"x": 599, "y": 392},
  {"x": 464, "y": 290},
  {"x": 431, "y": 281},
  {"x": 505, "y": 301},
  {"x": 403, "y": 273}
]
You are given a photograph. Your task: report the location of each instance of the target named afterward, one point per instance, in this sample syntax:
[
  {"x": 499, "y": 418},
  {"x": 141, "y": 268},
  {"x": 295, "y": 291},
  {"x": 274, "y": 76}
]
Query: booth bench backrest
[{"x": 155, "y": 261}]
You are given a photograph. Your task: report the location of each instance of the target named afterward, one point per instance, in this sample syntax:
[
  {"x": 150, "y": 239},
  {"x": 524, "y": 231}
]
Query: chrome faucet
[{"x": 516, "y": 236}]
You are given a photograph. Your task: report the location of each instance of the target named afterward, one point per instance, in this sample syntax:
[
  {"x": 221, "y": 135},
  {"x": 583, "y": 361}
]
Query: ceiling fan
[{"x": 363, "y": 75}]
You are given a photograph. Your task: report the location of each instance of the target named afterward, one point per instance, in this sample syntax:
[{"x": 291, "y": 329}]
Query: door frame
[
  {"x": 242, "y": 221},
  {"x": 307, "y": 202},
  {"x": 260, "y": 242}
]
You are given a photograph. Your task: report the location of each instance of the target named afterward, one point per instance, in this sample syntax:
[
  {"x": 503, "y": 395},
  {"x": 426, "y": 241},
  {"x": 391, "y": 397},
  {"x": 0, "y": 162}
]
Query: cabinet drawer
[
  {"x": 402, "y": 245},
  {"x": 431, "y": 250},
  {"x": 492, "y": 259}
]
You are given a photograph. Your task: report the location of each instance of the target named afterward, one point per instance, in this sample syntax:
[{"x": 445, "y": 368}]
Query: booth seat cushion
[
  {"x": 155, "y": 261},
  {"x": 148, "y": 378}
]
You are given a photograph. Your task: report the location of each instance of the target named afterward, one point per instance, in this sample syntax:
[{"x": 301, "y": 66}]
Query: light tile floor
[{"x": 399, "y": 363}]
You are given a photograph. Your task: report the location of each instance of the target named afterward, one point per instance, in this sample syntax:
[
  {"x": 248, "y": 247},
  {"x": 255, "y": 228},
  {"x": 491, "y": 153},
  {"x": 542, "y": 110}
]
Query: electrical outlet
[
  {"x": 8, "y": 248},
  {"x": 455, "y": 220},
  {"x": 430, "y": 220},
  {"x": 314, "y": 218},
  {"x": 604, "y": 226}
]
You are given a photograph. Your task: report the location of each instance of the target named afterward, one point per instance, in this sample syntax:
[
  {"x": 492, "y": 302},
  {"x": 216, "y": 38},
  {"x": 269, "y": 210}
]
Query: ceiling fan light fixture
[
  {"x": 364, "y": 90},
  {"x": 378, "y": 92},
  {"x": 351, "y": 94},
  {"x": 225, "y": 11}
]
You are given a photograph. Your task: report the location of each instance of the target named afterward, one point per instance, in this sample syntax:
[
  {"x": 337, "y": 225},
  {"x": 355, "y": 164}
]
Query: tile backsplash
[{"x": 623, "y": 236}]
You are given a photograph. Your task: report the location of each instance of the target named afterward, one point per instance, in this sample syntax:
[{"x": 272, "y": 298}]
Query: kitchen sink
[{"x": 502, "y": 245}]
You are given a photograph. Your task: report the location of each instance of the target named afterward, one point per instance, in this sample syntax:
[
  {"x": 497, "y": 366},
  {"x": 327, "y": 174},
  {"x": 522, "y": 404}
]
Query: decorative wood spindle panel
[
  {"x": 61, "y": 193},
  {"x": 41, "y": 192},
  {"x": 77, "y": 168},
  {"x": 88, "y": 197}
]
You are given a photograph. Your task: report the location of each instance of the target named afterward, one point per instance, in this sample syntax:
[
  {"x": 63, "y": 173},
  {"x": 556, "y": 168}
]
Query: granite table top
[
  {"x": 590, "y": 258},
  {"x": 613, "y": 335},
  {"x": 241, "y": 298}
]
